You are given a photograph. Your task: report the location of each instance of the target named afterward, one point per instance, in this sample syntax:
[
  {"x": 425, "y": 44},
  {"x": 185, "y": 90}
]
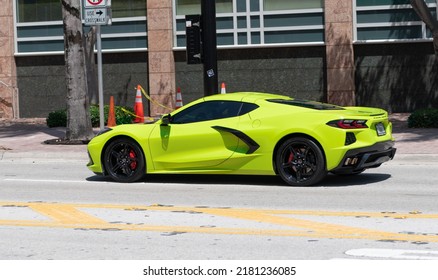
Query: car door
[{"x": 192, "y": 138}]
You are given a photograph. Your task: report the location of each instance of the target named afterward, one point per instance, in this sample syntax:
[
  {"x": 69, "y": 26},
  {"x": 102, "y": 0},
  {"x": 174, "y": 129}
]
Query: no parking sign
[{"x": 95, "y": 3}]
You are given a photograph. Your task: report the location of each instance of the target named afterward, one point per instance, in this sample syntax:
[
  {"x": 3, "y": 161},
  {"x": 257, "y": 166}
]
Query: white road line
[
  {"x": 52, "y": 181},
  {"x": 394, "y": 254}
]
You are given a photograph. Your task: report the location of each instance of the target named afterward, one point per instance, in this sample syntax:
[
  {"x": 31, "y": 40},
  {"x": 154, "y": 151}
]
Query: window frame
[
  {"x": 358, "y": 27},
  {"x": 134, "y": 41},
  {"x": 209, "y": 111},
  {"x": 260, "y": 36}
]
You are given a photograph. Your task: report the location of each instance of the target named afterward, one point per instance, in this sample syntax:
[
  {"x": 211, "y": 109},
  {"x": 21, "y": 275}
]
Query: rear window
[{"x": 307, "y": 104}]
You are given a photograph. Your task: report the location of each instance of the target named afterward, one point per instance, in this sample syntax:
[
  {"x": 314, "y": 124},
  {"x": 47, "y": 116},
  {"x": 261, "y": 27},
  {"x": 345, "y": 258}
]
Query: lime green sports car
[{"x": 248, "y": 133}]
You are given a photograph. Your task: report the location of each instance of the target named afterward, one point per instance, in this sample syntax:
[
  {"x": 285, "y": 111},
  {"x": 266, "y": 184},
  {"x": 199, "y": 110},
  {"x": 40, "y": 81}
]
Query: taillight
[{"x": 348, "y": 124}]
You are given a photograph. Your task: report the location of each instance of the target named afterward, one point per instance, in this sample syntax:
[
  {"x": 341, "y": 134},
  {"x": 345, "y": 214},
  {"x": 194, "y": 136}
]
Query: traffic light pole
[{"x": 209, "y": 46}]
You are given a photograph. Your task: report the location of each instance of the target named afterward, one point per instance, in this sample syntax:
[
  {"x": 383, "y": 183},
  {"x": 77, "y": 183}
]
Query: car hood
[{"x": 132, "y": 130}]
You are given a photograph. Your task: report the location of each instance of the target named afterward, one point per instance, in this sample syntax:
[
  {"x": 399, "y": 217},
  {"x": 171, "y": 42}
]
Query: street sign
[
  {"x": 97, "y": 13},
  {"x": 96, "y": 16},
  {"x": 95, "y": 3}
]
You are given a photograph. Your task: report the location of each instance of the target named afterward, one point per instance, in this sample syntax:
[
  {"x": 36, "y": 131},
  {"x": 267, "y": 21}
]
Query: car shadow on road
[
  {"x": 331, "y": 181},
  {"x": 197, "y": 179},
  {"x": 362, "y": 179}
]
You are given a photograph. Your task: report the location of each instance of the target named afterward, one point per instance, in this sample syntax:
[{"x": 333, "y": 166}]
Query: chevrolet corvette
[{"x": 248, "y": 134}]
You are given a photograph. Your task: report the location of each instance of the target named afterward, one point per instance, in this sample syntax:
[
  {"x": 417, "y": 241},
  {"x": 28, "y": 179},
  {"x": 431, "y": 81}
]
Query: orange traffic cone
[
  {"x": 223, "y": 89},
  {"x": 111, "y": 114},
  {"x": 178, "y": 103},
  {"x": 138, "y": 107}
]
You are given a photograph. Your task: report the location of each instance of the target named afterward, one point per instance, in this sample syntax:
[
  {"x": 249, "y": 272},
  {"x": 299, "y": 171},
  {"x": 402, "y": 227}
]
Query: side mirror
[{"x": 165, "y": 120}]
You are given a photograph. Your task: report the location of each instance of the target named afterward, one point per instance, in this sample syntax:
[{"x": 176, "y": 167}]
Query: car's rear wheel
[
  {"x": 124, "y": 160},
  {"x": 300, "y": 162}
]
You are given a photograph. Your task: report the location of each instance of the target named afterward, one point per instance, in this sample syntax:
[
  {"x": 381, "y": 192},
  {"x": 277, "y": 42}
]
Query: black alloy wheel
[
  {"x": 300, "y": 162},
  {"x": 124, "y": 160}
]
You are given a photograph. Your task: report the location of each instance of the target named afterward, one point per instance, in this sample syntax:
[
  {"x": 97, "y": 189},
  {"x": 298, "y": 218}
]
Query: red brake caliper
[
  {"x": 291, "y": 158},
  {"x": 132, "y": 156}
]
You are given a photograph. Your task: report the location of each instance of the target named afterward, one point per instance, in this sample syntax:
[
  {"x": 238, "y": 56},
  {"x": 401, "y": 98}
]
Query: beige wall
[
  {"x": 8, "y": 77},
  {"x": 339, "y": 51},
  {"x": 160, "y": 55}
]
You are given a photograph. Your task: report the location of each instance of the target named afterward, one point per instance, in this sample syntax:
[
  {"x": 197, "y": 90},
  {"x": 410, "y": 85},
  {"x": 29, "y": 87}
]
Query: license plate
[{"x": 380, "y": 129}]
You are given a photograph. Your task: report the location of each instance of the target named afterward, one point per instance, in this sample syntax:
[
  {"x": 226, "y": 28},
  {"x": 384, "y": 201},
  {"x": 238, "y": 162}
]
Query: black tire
[
  {"x": 300, "y": 162},
  {"x": 124, "y": 160}
]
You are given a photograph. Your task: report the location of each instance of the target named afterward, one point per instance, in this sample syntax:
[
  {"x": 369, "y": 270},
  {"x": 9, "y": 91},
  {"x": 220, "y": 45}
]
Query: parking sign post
[{"x": 97, "y": 13}]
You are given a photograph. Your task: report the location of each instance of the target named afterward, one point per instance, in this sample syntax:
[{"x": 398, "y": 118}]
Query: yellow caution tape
[
  {"x": 132, "y": 114},
  {"x": 151, "y": 100}
]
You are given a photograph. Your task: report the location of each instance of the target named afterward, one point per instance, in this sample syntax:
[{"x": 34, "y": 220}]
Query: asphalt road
[{"x": 56, "y": 210}]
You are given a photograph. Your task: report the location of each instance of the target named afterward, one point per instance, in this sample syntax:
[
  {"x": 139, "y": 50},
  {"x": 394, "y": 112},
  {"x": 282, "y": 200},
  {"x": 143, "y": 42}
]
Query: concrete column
[
  {"x": 160, "y": 56},
  {"x": 339, "y": 52},
  {"x": 8, "y": 75}
]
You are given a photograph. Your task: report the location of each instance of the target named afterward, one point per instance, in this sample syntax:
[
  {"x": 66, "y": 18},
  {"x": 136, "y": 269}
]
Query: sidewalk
[{"x": 23, "y": 139}]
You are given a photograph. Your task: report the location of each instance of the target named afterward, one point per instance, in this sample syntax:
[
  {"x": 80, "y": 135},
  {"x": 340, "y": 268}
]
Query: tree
[
  {"x": 425, "y": 15},
  {"x": 90, "y": 66},
  {"x": 78, "y": 114}
]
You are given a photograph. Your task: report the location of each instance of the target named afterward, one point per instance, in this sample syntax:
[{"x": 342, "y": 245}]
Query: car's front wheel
[
  {"x": 124, "y": 160},
  {"x": 300, "y": 162}
]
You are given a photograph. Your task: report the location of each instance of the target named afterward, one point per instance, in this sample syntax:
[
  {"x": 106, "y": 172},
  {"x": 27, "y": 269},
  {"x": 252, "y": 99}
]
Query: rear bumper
[{"x": 357, "y": 160}]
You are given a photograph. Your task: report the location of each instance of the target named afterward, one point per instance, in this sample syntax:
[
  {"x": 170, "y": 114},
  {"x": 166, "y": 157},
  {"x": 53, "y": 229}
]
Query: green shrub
[
  {"x": 124, "y": 115},
  {"x": 57, "y": 118},
  {"x": 425, "y": 118},
  {"x": 94, "y": 115}
]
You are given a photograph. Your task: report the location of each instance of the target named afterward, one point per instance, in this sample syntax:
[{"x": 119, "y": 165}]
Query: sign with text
[
  {"x": 96, "y": 16},
  {"x": 95, "y": 3}
]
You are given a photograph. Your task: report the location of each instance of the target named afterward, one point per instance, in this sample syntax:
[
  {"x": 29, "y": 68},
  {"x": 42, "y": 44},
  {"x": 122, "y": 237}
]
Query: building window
[
  {"x": 188, "y": 7},
  {"x": 38, "y": 10},
  {"x": 276, "y": 5},
  {"x": 389, "y": 20},
  {"x": 128, "y": 8},
  {"x": 258, "y": 22},
  {"x": 39, "y": 27},
  {"x": 50, "y": 10}
]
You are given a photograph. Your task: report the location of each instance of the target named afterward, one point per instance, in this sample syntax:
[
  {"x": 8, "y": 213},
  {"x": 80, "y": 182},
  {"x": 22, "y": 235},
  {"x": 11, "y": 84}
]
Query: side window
[
  {"x": 212, "y": 110},
  {"x": 197, "y": 113},
  {"x": 247, "y": 107}
]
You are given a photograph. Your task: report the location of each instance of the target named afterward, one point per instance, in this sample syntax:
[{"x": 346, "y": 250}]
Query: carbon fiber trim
[{"x": 253, "y": 146}]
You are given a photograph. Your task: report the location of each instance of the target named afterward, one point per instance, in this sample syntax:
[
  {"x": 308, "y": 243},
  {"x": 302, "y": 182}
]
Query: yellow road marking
[{"x": 64, "y": 215}]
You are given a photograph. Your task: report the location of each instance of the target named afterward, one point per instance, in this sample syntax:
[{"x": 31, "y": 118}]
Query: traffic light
[{"x": 193, "y": 39}]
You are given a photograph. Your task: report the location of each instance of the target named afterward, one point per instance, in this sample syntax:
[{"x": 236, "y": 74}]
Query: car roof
[{"x": 245, "y": 96}]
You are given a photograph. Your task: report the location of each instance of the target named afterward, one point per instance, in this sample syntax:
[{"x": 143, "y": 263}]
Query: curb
[{"x": 12, "y": 156}]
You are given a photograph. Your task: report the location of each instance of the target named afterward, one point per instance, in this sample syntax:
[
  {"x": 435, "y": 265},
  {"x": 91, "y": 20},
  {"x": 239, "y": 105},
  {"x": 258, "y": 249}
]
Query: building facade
[{"x": 347, "y": 52}]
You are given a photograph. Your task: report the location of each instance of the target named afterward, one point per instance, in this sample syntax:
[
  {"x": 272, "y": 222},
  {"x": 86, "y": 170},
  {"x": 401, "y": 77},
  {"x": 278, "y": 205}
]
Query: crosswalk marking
[
  {"x": 269, "y": 222},
  {"x": 394, "y": 254}
]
